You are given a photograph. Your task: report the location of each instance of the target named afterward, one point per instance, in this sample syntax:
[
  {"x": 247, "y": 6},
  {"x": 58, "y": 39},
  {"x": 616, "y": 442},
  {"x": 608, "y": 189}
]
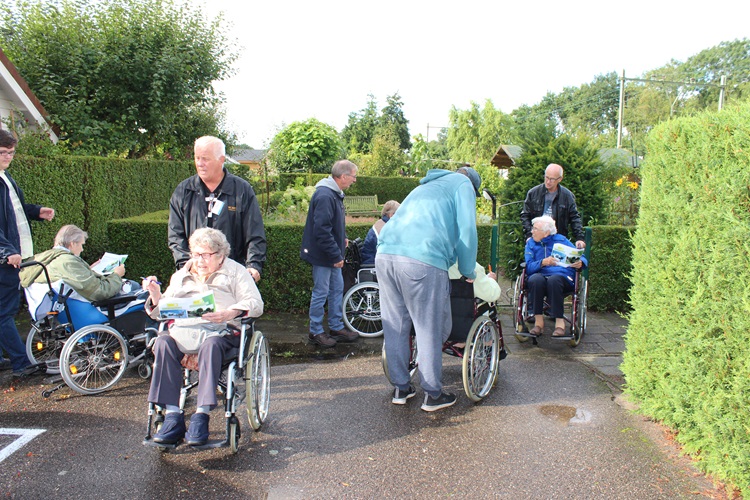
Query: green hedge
[
  {"x": 688, "y": 358},
  {"x": 287, "y": 280},
  {"x": 90, "y": 191},
  {"x": 386, "y": 188},
  {"x": 610, "y": 268}
]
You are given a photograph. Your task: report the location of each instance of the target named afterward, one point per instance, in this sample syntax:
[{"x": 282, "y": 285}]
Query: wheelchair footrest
[
  {"x": 161, "y": 446},
  {"x": 561, "y": 337},
  {"x": 211, "y": 444}
]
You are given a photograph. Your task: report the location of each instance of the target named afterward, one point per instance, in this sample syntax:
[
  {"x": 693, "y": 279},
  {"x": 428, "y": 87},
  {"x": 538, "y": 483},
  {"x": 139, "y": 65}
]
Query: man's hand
[
  {"x": 46, "y": 213},
  {"x": 254, "y": 273},
  {"x": 14, "y": 260},
  {"x": 580, "y": 244},
  {"x": 339, "y": 264}
]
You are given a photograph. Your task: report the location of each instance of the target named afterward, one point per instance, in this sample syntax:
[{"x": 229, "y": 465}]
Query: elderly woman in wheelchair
[
  {"x": 235, "y": 295},
  {"x": 548, "y": 276}
]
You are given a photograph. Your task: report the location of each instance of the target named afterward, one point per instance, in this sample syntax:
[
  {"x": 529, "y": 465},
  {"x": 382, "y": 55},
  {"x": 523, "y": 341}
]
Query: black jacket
[
  {"x": 240, "y": 220},
  {"x": 564, "y": 211},
  {"x": 325, "y": 229}
]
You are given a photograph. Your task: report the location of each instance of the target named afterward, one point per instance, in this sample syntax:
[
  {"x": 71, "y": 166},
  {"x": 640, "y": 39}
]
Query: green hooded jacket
[{"x": 63, "y": 265}]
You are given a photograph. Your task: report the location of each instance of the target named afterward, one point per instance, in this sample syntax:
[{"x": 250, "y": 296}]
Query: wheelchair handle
[{"x": 33, "y": 263}]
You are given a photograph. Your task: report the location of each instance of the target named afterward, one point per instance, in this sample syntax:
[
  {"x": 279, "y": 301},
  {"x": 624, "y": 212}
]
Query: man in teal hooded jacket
[{"x": 433, "y": 228}]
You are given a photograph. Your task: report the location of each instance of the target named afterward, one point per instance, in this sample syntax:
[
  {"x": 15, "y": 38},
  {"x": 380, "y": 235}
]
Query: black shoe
[
  {"x": 400, "y": 396},
  {"x": 323, "y": 340},
  {"x": 344, "y": 335},
  {"x": 172, "y": 429},
  {"x": 5, "y": 364},
  {"x": 443, "y": 401},
  {"x": 197, "y": 434},
  {"x": 39, "y": 369}
]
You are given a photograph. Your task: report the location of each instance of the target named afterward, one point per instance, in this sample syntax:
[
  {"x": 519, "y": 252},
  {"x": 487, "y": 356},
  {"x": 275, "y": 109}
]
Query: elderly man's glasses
[
  {"x": 7, "y": 153},
  {"x": 552, "y": 179},
  {"x": 204, "y": 256}
]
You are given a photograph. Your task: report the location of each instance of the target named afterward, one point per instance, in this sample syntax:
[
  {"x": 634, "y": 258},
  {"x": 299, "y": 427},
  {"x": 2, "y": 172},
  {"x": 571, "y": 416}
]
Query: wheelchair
[
  {"x": 362, "y": 300},
  {"x": 244, "y": 378},
  {"x": 89, "y": 344},
  {"x": 575, "y": 307},
  {"x": 475, "y": 323}
]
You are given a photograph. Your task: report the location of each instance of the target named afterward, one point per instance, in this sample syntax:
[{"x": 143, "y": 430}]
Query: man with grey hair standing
[
  {"x": 216, "y": 198},
  {"x": 323, "y": 246}
]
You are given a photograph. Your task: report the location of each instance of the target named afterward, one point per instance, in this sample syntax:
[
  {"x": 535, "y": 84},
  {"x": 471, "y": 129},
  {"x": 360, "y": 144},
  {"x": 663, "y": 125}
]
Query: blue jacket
[
  {"x": 325, "y": 229},
  {"x": 370, "y": 246},
  {"x": 436, "y": 224},
  {"x": 537, "y": 251},
  {"x": 10, "y": 242}
]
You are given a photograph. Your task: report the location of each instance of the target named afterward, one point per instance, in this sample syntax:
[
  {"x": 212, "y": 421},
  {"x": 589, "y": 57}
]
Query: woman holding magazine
[
  {"x": 64, "y": 262},
  {"x": 211, "y": 275},
  {"x": 548, "y": 273}
]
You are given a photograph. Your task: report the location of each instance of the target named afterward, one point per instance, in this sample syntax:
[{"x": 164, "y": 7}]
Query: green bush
[
  {"x": 688, "y": 359},
  {"x": 610, "y": 268}
]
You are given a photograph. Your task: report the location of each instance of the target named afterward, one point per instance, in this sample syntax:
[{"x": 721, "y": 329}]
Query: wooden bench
[{"x": 362, "y": 205}]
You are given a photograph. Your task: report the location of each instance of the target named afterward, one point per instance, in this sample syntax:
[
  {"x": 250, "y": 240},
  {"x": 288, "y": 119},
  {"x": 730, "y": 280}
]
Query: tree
[
  {"x": 475, "y": 134},
  {"x": 127, "y": 77},
  {"x": 359, "y": 132},
  {"x": 387, "y": 156},
  {"x": 392, "y": 117},
  {"x": 309, "y": 146}
]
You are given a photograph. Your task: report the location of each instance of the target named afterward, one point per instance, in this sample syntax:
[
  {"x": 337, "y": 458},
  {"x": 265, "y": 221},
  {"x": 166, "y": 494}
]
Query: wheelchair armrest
[
  {"x": 248, "y": 321},
  {"x": 113, "y": 301}
]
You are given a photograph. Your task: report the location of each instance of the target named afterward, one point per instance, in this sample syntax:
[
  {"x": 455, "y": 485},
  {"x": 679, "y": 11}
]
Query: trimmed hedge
[
  {"x": 386, "y": 188},
  {"x": 610, "y": 268},
  {"x": 287, "y": 279},
  {"x": 90, "y": 191},
  {"x": 688, "y": 358}
]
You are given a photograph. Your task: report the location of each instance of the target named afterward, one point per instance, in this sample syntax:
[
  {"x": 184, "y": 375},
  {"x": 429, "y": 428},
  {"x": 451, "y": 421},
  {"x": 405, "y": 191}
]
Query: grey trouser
[
  {"x": 413, "y": 293},
  {"x": 166, "y": 381}
]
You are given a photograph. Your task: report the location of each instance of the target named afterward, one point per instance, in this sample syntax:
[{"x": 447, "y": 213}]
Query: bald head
[{"x": 552, "y": 177}]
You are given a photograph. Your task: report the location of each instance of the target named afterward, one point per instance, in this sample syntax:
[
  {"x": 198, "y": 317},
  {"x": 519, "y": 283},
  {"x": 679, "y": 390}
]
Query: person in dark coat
[
  {"x": 215, "y": 198},
  {"x": 323, "y": 246}
]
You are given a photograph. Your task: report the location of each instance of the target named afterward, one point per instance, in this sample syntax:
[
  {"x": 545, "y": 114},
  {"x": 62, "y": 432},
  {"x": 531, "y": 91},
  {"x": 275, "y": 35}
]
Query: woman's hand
[
  {"x": 577, "y": 265},
  {"x": 549, "y": 261},
  {"x": 154, "y": 290},
  {"x": 221, "y": 316},
  {"x": 120, "y": 270}
]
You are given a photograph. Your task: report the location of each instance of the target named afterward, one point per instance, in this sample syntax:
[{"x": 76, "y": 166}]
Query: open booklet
[
  {"x": 566, "y": 255},
  {"x": 187, "y": 307},
  {"x": 108, "y": 263}
]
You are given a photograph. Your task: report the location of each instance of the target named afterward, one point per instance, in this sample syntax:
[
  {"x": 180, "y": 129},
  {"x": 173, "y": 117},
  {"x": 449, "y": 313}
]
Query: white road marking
[{"x": 25, "y": 435}]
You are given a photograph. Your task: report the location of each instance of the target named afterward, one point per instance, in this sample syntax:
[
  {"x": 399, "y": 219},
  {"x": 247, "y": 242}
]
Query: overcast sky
[{"x": 303, "y": 59}]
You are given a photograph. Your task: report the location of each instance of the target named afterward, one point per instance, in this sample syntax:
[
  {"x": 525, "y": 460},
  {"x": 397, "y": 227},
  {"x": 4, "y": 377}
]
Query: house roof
[
  {"x": 506, "y": 156},
  {"x": 249, "y": 155},
  {"x": 14, "y": 89}
]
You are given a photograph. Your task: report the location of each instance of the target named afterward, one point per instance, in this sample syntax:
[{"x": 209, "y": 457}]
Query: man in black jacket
[
  {"x": 550, "y": 198},
  {"x": 323, "y": 244},
  {"x": 215, "y": 198}
]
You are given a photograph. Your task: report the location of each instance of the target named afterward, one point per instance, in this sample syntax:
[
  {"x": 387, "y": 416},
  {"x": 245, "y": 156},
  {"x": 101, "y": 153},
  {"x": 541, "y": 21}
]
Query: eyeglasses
[
  {"x": 552, "y": 179},
  {"x": 7, "y": 153},
  {"x": 352, "y": 176},
  {"x": 204, "y": 256},
  {"x": 536, "y": 229}
]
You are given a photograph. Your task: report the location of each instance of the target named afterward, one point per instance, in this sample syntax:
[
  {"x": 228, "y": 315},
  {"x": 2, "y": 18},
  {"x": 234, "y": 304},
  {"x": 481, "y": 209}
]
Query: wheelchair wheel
[
  {"x": 520, "y": 310},
  {"x": 93, "y": 359},
  {"x": 234, "y": 434},
  {"x": 412, "y": 359},
  {"x": 481, "y": 357},
  {"x": 44, "y": 347},
  {"x": 258, "y": 381},
  {"x": 362, "y": 309},
  {"x": 579, "y": 321}
]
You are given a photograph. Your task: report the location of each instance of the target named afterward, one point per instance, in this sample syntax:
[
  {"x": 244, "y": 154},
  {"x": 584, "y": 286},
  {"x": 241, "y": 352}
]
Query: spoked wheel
[
  {"x": 362, "y": 309},
  {"x": 412, "y": 359},
  {"x": 481, "y": 357},
  {"x": 44, "y": 346},
  {"x": 520, "y": 310},
  {"x": 93, "y": 359},
  {"x": 258, "y": 381},
  {"x": 579, "y": 323},
  {"x": 234, "y": 434}
]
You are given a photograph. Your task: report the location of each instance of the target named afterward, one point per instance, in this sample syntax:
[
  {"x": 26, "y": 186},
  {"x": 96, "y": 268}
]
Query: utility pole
[
  {"x": 620, "y": 109},
  {"x": 721, "y": 92}
]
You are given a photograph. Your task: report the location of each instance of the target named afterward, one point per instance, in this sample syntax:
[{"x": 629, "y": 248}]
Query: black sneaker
[
  {"x": 400, "y": 396},
  {"x": 443, "y": 401},
  {"x": 323, "y": 340}
]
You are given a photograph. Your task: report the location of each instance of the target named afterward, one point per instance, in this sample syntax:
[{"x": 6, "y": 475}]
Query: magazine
[
  {"x": 187, "y": 307},
  {"x": 108, "y": 263},
  {"x": 566, "y": 255}
]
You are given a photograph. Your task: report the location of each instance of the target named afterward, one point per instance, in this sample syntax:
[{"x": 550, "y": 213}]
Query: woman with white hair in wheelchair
[
  {"x": 545, "y": 276},
  {"x": 64, "y": 262},
  {"x": 236, "y": 295}
]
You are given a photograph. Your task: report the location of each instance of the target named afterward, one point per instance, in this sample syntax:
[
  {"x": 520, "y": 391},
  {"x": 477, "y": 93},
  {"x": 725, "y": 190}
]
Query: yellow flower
[
  {"x": 619, "y": 182},
  {"x": 633, "y": 186}
]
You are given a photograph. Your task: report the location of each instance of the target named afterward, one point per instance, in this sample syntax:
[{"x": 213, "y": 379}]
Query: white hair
[{"x": 548, "y": 223}]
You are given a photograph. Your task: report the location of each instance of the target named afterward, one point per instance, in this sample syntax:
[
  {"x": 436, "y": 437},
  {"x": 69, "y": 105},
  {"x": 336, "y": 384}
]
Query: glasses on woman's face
[
  {"x": 203, "y": 256},
  {"x": 536, "y": 229},
  {"x": 7, "y": 153}
]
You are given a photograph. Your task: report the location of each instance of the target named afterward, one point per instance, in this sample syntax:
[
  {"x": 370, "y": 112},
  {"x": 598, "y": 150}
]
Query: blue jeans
[
  {"x": 328, "y": 285},
  {"x": 10, "y": 340}
]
